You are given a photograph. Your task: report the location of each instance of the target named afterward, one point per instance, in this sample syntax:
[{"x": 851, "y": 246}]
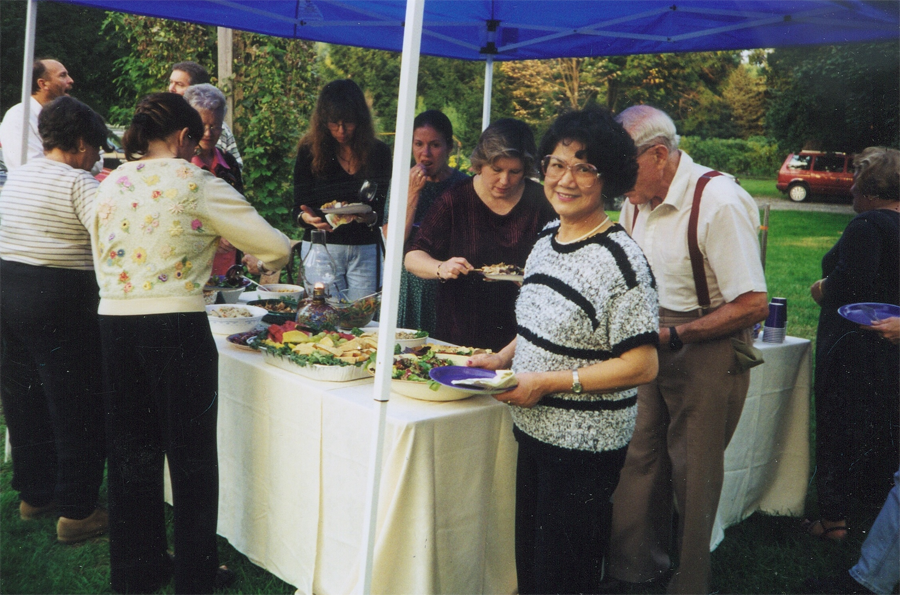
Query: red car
[{"x": 814, "y": 172}]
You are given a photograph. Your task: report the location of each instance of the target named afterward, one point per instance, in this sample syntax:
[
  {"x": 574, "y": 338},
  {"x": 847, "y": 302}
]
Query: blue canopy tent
[{"x": 489, "y": 30}]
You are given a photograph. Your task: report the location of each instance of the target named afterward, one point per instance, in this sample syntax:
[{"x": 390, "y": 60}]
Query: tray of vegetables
[{"x": 326, "y": 355}]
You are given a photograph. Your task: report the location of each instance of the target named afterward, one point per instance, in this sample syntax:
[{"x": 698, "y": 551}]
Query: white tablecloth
[
  {"x": 767, "y": 461},
  {"x": 293, "y": 455}
]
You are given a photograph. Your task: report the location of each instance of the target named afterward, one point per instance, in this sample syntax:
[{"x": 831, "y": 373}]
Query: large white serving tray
[{"x": 318, "y": 371}]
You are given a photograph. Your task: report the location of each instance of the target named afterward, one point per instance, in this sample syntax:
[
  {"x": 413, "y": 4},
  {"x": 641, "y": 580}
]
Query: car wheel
[{"x": 798, "y": 192}]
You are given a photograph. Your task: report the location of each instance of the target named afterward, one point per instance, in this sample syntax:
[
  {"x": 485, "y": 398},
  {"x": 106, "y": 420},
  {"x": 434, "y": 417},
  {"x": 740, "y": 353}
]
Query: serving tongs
[{"x": 236, "y": 273}]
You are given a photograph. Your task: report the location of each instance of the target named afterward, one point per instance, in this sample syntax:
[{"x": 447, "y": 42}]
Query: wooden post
[{"x": 226, "y": 71}]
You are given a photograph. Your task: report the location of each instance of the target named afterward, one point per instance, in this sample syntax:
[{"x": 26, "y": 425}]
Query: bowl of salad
[
  {"x": 229, "y": 289},
  {"x": 356, "y": 313},
  {"x": 409, "y": 378}
]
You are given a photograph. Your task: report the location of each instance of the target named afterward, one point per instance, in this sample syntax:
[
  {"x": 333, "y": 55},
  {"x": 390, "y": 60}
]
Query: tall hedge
[{"x": 757, "y": 156}]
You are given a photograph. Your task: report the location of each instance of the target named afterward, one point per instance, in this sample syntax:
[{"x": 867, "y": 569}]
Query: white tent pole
[
  {"x": 488, "y": 86},
  {"x": 27, "y": 62},
  {"x": 393, "y": 266}
]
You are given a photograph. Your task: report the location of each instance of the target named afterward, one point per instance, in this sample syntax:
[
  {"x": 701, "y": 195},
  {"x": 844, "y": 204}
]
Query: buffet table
[{"x": 293, "y": 456}]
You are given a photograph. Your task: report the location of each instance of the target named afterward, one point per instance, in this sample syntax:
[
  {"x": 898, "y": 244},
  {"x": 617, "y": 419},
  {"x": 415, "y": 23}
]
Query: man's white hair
[{"x": 649, "y": 126}]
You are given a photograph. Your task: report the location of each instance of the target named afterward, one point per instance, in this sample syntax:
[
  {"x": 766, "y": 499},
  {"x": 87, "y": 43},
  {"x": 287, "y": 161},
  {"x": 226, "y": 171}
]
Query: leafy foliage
[
  {"x": 755, "y": 156},
  {"x": 149, "y": 47},
  {"x": 274, "y": 89},
  {"x": 274, "y": 94},
  {"x": 745, "y": 92},
  {"x": 835, "y": 98}
]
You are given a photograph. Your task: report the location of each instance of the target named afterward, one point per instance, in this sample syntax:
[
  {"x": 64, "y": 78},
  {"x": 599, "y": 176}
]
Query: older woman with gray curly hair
[
  {"x": 493, "y": 218},
  {"x": 210, "y": 104}
]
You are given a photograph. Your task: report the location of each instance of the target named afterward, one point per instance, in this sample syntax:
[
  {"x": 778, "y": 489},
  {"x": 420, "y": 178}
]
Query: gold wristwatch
[{"x": 577, "y": 387}]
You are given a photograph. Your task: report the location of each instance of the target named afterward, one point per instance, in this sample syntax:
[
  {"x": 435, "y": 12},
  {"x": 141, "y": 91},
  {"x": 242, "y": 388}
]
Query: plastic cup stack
[{"x": 776, "y": 323}]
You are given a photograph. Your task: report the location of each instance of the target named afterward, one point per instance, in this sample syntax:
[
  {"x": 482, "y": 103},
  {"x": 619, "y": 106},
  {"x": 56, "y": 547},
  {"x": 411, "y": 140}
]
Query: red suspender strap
[{"x": 693, "y": 247}]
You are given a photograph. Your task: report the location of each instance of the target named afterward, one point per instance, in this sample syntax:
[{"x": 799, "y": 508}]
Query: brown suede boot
[
  {"x": 73, "y": 531},
  {"x": 29, "y": 512}
]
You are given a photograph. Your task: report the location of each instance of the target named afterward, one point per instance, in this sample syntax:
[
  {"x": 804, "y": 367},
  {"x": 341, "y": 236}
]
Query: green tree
[
  {"x": 745, "y": 93},
  {"x": 835, "y": 97}
]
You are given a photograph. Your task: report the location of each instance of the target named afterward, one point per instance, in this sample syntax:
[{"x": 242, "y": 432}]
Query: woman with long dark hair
[
  {"x": 336, "y": 156},
  {"x": 157, "y": 224}
]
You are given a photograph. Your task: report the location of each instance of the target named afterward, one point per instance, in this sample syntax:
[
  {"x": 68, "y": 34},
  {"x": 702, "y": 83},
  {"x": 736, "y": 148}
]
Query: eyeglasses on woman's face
[{"x": 555, "y": 168}]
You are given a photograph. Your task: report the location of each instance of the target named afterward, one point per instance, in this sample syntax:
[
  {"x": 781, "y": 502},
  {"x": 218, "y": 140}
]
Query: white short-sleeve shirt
[{"x": 726, "y": 234}]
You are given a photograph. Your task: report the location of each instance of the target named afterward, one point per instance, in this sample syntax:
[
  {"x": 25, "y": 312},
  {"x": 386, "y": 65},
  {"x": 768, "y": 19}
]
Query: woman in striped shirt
[
  {"x": 51, "y": 381},
  {"x": 586, "y": 336}
]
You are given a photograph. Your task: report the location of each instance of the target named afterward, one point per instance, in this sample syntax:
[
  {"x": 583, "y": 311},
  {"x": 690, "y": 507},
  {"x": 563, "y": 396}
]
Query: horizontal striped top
[
  {"x": 580, "y": 304},
  {"x": 45, "y": 208}
]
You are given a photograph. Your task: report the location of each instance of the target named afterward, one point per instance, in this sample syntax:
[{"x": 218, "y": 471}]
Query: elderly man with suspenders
[{"x": 698, "y": 229}]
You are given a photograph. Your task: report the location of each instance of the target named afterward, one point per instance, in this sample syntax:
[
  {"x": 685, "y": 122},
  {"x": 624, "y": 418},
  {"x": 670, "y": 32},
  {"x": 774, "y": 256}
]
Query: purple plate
[
  {"x": 868, "y": 312},
  {"x": 447, "y": 374}
]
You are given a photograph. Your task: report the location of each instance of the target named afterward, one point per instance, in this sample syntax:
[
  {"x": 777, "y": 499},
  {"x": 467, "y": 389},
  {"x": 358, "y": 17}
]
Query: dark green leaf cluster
[{"x": 835, "y": 98}]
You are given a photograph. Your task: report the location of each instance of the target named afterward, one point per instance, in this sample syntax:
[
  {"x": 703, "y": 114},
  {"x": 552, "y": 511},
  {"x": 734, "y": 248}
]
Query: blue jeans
[
  {"x": 359, "y": 268},
  {"x": 878, "y": 568}
]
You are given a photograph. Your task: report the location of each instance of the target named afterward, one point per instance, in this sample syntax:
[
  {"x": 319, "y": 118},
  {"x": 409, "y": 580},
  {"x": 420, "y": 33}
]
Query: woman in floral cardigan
[{"x": 157, "y": 225}]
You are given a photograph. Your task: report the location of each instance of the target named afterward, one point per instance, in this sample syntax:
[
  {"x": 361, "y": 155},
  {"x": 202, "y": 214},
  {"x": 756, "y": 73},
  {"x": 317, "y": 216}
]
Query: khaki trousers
[{"x": 685, "y": 419}]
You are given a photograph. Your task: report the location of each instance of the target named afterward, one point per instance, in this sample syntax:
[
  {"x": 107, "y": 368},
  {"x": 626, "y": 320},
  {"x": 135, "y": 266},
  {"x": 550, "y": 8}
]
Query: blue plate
[
  {"x": 868, "y": 312},
  {"x": 447, "y": 374}
]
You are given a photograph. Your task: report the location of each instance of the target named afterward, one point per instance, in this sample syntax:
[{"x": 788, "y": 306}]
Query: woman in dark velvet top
[
  {"x": 493, "y": 218},
  {"x": 857, "y": 384},
  {"x": 334, "y": 158}
]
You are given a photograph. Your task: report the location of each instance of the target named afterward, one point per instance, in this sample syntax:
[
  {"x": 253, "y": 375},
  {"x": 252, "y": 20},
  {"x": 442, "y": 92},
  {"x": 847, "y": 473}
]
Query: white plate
[
  {"x": 352, "y": 209},
  {"x": 317, "y": 371},
  {"x": 504, "y": 277}
]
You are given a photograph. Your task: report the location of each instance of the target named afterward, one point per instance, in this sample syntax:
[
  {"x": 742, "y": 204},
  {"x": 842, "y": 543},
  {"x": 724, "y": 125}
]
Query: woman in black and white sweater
[{"x": 587, "y": 335}]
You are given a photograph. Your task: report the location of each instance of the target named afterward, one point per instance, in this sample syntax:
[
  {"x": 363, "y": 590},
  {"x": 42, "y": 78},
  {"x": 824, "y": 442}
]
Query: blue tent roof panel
[{"x": 535, "y": 29}]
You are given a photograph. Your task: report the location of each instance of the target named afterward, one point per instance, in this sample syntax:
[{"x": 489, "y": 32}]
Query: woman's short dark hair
[
  {"x": 437, "y": 120},
  {"x": 877, "y": 172},
  {"x": 506, "y": 137},
  {"x": 65, "y": 120},
  {"x": 607, "y": 146},
  {"x": 156, "y": 117}
]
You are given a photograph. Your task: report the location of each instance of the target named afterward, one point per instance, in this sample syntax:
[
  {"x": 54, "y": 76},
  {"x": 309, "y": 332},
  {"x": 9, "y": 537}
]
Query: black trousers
[
  {"x": 50, "y": 383},
  {"x": 161, "y": 402},
  {"x": 563, "y": 515}
]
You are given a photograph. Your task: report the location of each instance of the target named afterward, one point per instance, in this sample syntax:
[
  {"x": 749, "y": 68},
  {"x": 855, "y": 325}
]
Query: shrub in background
[{"x": 757, "y": 156}]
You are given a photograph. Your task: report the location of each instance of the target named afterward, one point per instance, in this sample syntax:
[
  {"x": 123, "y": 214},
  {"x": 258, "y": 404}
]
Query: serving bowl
[
  {"x": 410, "y": 342},
  {"x": 279, "y": 311},
  {"x": 230, "y": 326},
  {"x": 274, "y": 291},
  {"x": 357, "y": 313},
  {"x": 230, "y": 292}
]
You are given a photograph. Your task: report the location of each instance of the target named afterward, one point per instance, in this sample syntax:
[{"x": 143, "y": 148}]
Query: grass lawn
[
  {"x": 761, "y": 187},
  {"x": 763, "y": 554}
]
